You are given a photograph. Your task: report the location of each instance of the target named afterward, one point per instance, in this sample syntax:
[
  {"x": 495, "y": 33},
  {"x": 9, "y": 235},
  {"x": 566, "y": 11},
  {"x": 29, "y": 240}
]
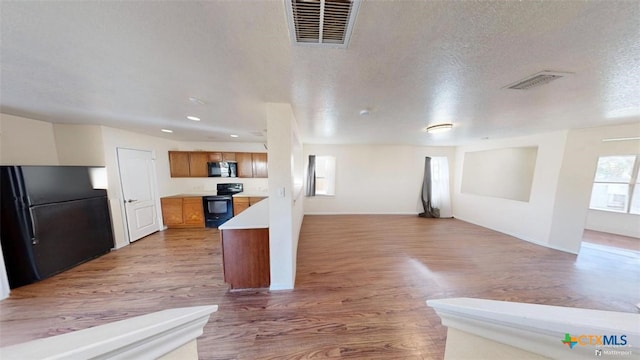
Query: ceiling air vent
[
  {"x": 326, "y": 23},
  {"x": 538, "y": 79}
]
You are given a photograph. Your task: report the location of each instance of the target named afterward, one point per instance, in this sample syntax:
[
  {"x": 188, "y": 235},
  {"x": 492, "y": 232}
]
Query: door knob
[{"x": 131, "y": 200}]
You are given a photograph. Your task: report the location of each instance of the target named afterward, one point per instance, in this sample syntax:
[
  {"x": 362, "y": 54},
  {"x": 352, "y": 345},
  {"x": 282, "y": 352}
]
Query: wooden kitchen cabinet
[
  {"x": 245, "y": 258},
  {"x": 245, "y": 165},
  {"x": 252, "y": 165},
  {"x": 241, "y": 203},
  {"x": 228, "y": 156},
  {"x": 188, "y": 164},
  {"x": 179, "y": 163},
  {"x": 192, "y": 211},
  {"x": 194, "y": 163},
  {"x": 259, "y": 165},
  {"x": 215, "y": 156},
  {"x": 182, "y": 212},
  {"x": 172, "y": 211},
  {"x": 198, "y": 164}
]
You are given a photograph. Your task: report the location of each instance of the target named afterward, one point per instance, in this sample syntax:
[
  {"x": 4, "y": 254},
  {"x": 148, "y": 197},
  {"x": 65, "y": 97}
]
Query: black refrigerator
[{"x": 52, "y": 219}]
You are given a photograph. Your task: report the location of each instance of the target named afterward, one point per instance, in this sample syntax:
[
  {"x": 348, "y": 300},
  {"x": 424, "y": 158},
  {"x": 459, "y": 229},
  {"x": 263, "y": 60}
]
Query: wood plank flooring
[
  {"x": 611, "y": 240},
  {"x": 361, "y": 286}
]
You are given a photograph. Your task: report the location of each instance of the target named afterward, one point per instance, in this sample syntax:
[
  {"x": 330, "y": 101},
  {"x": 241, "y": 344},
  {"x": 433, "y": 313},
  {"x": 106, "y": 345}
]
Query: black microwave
[{"x": 222, "y": 169}]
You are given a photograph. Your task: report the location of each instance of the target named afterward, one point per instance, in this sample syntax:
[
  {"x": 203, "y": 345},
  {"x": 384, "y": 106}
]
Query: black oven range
[{"x": 219, "y": 208}]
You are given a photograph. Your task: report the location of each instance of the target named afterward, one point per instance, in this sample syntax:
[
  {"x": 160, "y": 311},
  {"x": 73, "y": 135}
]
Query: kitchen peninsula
[{"x": 245, "y": 248}]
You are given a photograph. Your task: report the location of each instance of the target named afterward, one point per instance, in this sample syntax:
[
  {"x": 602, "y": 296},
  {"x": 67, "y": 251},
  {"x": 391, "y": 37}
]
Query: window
[
  {"x": 321, "y": 175},
  {"x": 325, "y": 175},
  {"x": 615, "y": 185}
]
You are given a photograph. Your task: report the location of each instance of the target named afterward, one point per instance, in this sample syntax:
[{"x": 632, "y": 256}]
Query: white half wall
[
  {"x": 285, "y": 211},
  {"x": 579, "y": 165},
  {"x": 530, "y": 220},
  {"x": 26, "y": 141},
  {"x": 375, "y": 179}
]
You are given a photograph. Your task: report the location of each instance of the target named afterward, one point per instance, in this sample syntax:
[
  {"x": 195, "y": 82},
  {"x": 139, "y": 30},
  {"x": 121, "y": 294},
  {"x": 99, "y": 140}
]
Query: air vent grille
[
  {"x": 538, "y": 79},
  {"x": 322, "y": 22}
]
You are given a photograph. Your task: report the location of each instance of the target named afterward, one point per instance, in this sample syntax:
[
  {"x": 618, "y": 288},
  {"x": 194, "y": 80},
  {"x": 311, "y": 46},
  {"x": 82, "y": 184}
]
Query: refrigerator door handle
[{"x": 33, "y": 229}]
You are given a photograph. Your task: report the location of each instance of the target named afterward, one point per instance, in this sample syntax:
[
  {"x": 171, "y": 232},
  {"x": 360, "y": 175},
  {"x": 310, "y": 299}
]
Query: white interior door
[{"x": 138, "y": 192}]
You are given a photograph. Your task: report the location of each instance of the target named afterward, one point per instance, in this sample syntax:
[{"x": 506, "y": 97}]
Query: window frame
[
  {"x": 331, "y": 179},
  {"x": 631, "y": 184}
]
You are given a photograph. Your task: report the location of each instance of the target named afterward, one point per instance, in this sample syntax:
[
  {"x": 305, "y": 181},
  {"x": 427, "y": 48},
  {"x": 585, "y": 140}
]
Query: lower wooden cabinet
[
  {"x": 241, "y": 204},
  {"x": 182, "y": 212},
  {"x": 245, "y": 258}
]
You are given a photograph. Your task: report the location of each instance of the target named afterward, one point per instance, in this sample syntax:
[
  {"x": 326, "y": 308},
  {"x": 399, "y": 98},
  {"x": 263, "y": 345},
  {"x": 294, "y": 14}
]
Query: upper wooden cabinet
[
  {"x": 179, "y": 163},
  {"x": 245, "y": 165},
  {"x": 260, "y": 165},
  {"x": 188, "y": 164},
  {"x": 194, "y": 163},
  {"x": 252, "y": 165},
  {"x": 215, "y": 156},
  {"x": 198, "y": 164}
]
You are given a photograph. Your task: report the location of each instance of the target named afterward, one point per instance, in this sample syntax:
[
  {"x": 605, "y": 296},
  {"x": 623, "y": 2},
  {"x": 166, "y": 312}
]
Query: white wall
[
  {"x": 614, "y": 223},
  {"x": 375, "y": 179},
  {"x": 79, "y": 144},
  {"x": 581, "y": 154},
  {"x": 26, "y": 142},
  {"x": 505, "y": 173},
  {"x": 530, "y": 220},
  {"x": 285, "y": 210}
]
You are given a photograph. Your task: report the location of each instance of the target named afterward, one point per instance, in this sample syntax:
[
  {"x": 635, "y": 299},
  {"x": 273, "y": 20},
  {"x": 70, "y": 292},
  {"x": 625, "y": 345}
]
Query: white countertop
[{"x": 255, "y": 217}]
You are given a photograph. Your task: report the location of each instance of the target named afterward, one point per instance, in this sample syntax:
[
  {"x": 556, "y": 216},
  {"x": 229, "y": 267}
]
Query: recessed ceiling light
[
  {"x": 621, "y": 139},
  {"x": 438, "y": 128},
  {"x": 234, "y": 135},
  {"x": 364, "y": 112},
  {"x": 194, "y": 118},
  {"x": 166, "y": 130}
]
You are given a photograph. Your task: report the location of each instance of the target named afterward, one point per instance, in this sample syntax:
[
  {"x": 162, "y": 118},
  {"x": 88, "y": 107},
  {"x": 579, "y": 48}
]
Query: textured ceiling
[{"x": 133, "y": 65}]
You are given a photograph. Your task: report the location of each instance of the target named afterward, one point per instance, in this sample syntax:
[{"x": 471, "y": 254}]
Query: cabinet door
[
  {"x": 240, "y": 204},
  {"x": 192, "y": 211},
  {"x": 228, "y": 156},
  {"x": 179, "y": 163},
  {"x": 215, "y": 156},
  {"x": 198, "y": 164},
  {"x": 260, "y": 165},
  {"x": 172, "y": 211},
  {"x": 245, "y": 258},
  {"x": 245, "y": 165},
  {"x": 255, "y": 199}
]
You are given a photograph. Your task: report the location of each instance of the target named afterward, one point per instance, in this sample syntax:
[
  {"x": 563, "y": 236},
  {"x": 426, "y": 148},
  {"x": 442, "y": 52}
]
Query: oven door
[{"x": 217, "y": 210}]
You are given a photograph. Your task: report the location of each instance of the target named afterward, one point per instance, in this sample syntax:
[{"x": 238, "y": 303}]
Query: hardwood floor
[
  {"x": 611, "y": 240},
  {"x": 361, "y": 286}
]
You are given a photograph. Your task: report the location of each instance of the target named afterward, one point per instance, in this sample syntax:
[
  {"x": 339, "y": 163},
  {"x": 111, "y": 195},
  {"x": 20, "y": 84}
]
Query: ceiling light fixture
[
  {"x": 621, "y": 139},
  {"x": 234, "y": 135},
  {"x": 194, "y": 118},
  {"x": 166, "y": 130},
  {"x": 438, "y": 128},
  {"x": 364, "y": 112}
]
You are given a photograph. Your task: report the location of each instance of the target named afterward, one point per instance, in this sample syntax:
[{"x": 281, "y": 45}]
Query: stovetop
[{"x": 229, "y": 188}]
